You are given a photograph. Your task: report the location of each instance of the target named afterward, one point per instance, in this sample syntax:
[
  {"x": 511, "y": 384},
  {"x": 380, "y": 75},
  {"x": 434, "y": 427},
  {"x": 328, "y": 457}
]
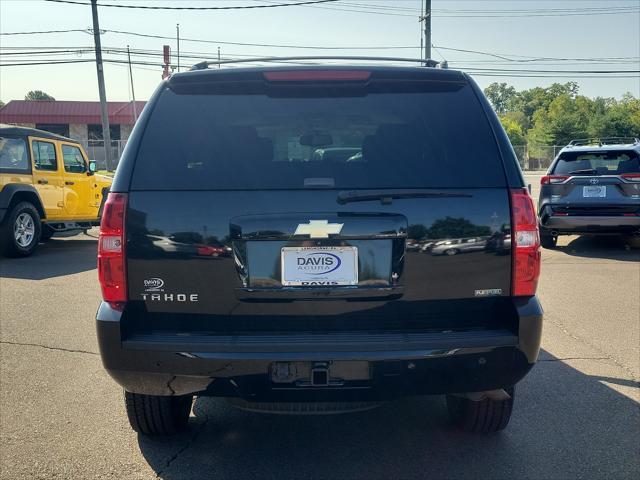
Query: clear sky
[{"x": 589, "y": 32}]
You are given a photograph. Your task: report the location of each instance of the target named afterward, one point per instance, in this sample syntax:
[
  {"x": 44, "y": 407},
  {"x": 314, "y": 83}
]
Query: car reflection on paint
[
  {"x": 499, "y": 243},
  {"x": 454, "y": 246},
  {"x": 170, "y": 245}
]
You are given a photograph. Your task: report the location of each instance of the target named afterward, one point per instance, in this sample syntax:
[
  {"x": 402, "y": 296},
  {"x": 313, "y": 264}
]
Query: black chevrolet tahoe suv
[{"x": 239, "y": 259}]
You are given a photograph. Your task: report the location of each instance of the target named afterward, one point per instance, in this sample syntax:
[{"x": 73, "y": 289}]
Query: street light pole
[
  {"x": 104, "y": 111},
  {"x": 133, "y": 93},
  {"x": 178, "y": 43}
]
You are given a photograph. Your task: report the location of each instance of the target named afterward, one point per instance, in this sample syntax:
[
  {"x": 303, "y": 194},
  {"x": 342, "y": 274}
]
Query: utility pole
[
  {"x": 104, "y": 111},
  {"x": 178, "y": 42},
  {"x": 420, "y": 19},
  {"x": 219, "y": 59},
  {"x": 133, "y": 93},
  {"x": 426, "y": 18}
]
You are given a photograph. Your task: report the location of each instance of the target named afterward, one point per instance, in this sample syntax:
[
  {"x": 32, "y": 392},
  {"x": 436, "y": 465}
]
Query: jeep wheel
[
  {"x": 548, "y": 240},
  {"x": 157, "y": 415},
  {"x": 480, "y": 416},
  {"x": 20, "y": 232}
]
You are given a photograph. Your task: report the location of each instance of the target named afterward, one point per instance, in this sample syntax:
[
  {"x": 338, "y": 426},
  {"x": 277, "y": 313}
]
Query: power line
[
  {"x": 375, "y": 10},
  {"x": 85, "y": 30},
  {"x": 268, "y": 45},
  {"x": 479, "y": 71},
  {"x": 236, "y": 7}
]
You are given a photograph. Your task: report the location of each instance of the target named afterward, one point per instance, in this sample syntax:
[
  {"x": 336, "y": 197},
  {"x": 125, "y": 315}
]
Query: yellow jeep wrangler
[{"x": 47, "y": 185}]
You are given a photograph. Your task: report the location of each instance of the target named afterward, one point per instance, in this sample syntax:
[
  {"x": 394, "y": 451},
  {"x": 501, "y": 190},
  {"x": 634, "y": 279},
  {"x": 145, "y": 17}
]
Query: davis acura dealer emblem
[{"x": 319, "y": 228}]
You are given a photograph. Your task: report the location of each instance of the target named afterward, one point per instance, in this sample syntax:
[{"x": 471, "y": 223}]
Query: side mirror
[{"x": 92, "y": 168}]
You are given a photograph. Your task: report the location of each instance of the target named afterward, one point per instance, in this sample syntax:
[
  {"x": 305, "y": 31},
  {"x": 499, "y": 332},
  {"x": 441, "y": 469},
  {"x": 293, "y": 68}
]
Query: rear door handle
[
  {"x": 43, "y": 182},
  {"x": 68, "y": 183}
]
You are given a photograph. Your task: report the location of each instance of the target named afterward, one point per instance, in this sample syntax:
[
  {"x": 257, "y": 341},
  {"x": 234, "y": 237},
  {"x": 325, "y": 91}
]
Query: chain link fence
[
  {"x": 96, "y": 152},
  {"x": 536, "y": 157}
]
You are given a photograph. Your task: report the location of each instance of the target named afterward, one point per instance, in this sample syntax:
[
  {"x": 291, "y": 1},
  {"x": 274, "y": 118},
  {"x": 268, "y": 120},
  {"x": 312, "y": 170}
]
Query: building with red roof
[{"x": 78, "y": 120}]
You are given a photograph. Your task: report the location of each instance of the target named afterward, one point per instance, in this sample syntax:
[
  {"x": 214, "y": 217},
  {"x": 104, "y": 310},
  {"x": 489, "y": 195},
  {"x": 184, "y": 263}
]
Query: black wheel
[
  {"x": 157, "y": 415},
  {"x": 484, "y": 416},
  {"x": 20, "y": 231},
  {"x": 548, "y": 240},
  {"x": 46, "y": 233}
]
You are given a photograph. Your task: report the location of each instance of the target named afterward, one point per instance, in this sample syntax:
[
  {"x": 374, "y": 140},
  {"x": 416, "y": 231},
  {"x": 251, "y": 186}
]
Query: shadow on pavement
[
  {"x": 566, "y": 424},
  {"x": 55, "y": 258},
  {"x": 606, "y": 247}
]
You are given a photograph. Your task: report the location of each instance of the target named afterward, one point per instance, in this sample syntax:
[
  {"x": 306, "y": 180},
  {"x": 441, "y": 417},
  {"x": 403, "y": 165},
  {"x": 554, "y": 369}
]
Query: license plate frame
[
  {"x": 594, "y": 191},
  {"x": 317, "y": 272}
]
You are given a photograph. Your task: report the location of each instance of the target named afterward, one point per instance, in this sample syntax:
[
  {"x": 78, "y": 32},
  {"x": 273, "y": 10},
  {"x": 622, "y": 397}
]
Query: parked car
[
  {"x": 47, "y": 185},
  {"x": 318, "y": 308},
  {"x": 454, "y": 246},
  {"x": 591, "y": 188}
]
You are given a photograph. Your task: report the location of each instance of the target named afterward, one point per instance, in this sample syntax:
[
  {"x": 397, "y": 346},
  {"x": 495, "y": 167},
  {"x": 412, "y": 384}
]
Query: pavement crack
[
  {"x": 59, "y": 349},
  {"x": 573, "y": 358},
  {"x": 588, "y": 344},
  {"x": 184, "y": 448}
]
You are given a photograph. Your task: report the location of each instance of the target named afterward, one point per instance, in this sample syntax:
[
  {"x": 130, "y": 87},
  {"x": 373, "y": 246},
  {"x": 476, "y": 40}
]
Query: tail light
[
  {"x": 111, "y": 249},
  {"x": 632, "y": 177},
  {"x": 526, "y": 248},
  {"x": 550, "y": 179}
]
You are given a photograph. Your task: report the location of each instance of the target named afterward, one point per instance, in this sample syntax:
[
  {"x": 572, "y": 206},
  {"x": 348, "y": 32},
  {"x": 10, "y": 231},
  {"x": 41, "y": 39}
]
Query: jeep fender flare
[
  {"x": 11, "y": 193},
  {"x": 105, "y": 193}
]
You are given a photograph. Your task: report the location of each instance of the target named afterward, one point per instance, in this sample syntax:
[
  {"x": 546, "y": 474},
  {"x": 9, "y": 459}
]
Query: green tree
[
  {"x": 514, "y": 130},
  {"x": 500, "y": 94},
  {"x": 1, "y": 104},
  {"x": 38, "y": 95},
  {"x": 565, "y": 119}
]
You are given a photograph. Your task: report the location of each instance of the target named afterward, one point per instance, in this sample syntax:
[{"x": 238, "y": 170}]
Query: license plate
[
  {"x": 598, "y": 191},
  {"x": 319, "y": 266}
]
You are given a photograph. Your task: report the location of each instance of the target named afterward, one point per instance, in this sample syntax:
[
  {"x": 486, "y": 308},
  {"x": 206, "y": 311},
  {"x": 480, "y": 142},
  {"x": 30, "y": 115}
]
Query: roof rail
[
  {"x": 603, "y": 141},
  {"x": 427, "y": 63}
]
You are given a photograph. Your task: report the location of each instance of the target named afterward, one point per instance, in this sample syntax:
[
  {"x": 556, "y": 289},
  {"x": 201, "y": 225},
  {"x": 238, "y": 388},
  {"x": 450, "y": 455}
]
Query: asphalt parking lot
[{"x": 577, "y": 414}]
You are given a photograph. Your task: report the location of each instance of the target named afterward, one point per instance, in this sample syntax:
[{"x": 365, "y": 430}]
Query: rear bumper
[
  {"x": 590, "y": 224},
  {"x": 398, "y": 364}
]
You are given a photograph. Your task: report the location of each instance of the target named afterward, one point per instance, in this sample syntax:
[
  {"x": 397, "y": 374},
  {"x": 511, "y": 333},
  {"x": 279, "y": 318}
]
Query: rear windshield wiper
[
  {"x": 386, "y": 196},
  {"x": 584, "y": 170}
]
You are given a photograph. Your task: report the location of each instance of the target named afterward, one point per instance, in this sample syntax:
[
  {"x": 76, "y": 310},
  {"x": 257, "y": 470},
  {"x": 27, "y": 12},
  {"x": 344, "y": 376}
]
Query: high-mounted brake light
[
  {"x": 111, "y": 249},
  {"x": 550, "y": 179},
  {"x": 632, "y": 177},
  {"x": 317, "y": 75},
  {"x": 526, "y": 239}
]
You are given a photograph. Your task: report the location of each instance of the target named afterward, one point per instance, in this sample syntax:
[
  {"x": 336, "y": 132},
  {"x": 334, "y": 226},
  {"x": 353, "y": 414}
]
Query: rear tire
[
  {"x": 157, "y": 415},
  {"x": 451, "y": 251},
  {"x": 548, "y": 241},
  {"x": 20, "y": 231},
  {"x": 485, "y": 416}
]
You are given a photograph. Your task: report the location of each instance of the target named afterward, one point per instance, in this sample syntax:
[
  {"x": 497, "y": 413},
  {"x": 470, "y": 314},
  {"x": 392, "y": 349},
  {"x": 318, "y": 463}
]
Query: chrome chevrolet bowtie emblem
[{"x": 319, "y": 228}]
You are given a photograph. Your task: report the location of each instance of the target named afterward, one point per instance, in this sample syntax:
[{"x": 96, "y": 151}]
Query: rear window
[
  {"x": 427, "y": 138},
  {"x": 597, "y": 163},
  {"x": 13, "y": 155}
]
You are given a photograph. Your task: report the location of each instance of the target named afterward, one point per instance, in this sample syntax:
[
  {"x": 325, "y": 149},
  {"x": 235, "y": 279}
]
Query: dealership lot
[{"x": 577, "y": 414}]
